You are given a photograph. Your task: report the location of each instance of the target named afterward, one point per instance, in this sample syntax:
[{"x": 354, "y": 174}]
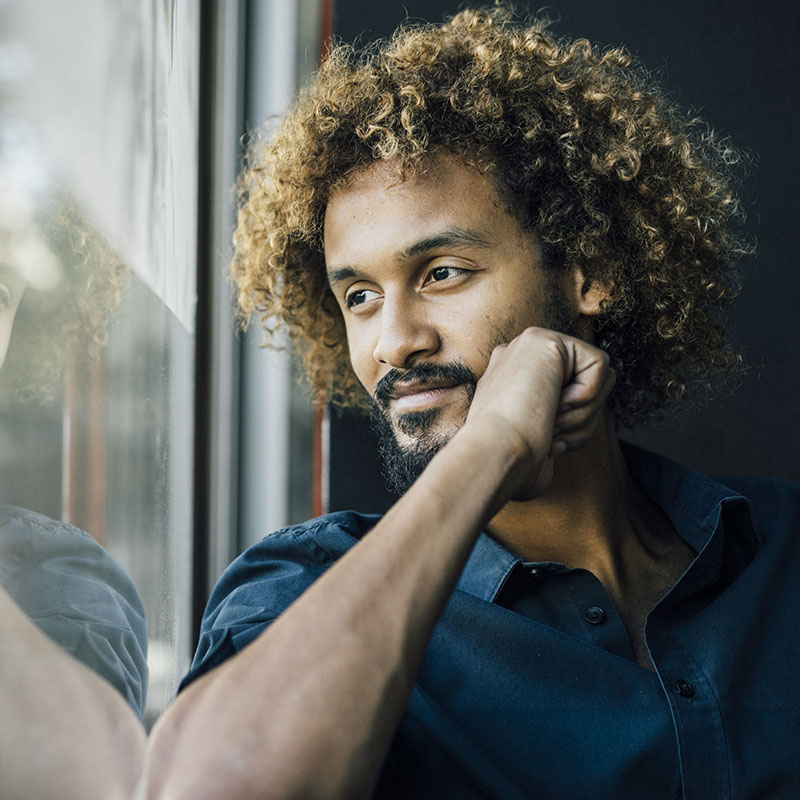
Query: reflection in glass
[
  {"x": 97, "y": 140},
  {"x": 71, "y": 620},
  {"x": 102, "y": 106}
]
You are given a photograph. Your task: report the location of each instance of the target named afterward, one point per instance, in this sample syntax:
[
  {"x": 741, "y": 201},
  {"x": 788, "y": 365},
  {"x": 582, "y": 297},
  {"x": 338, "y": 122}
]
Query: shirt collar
[
  {"x": 695, "y": 504},
  {"x": 487, "y": 569}
]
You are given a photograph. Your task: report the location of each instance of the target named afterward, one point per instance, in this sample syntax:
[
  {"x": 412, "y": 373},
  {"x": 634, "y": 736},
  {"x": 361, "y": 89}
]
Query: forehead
[{"x": 379, "y": 208}]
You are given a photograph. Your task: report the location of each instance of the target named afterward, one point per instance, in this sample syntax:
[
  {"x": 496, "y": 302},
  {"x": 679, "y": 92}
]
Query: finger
[
  {"x": 567, "y": 442},
  {"x": 590, "y": 369},
  {"x": 574, "y": 418},
  {"x": 574, "y": 428},
  {"x": 577, "y": 421},
  {"x": 570, "y": 412}
]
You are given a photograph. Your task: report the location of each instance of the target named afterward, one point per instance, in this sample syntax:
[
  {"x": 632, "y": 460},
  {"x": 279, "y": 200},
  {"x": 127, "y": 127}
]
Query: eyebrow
[
  {"x": 451, "y": 237},
  {"x": 341, "y": 274}
]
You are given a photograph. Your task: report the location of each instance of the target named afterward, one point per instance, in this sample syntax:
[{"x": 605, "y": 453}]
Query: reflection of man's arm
[
  {"x": 65, "y": 732},
  {"x": 308, "y": 710}
]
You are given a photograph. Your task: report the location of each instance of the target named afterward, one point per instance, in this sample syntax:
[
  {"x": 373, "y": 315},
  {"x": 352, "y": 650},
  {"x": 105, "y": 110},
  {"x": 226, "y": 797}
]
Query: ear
[{"x": 587, "y": 297}]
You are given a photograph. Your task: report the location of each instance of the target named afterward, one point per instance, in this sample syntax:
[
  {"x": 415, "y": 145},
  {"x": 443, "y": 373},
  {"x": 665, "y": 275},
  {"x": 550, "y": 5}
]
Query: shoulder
[
  {"x": 759, "y": 488},
  {"x": 267, "y": 578},
  {"x": 770, "y": 506},
  {"x": 284, "y": 562},
  {"x": 57, "y": 558},
  {"x": 312, "y": 545},
  {"x": 29, "y": 540},
  {"x": 774, "y": 504},
  {"x": 78, "y": 594}
]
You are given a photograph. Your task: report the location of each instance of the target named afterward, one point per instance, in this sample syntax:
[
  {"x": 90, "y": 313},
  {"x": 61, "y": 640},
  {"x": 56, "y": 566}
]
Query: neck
[{"x": 593, "y": 516}]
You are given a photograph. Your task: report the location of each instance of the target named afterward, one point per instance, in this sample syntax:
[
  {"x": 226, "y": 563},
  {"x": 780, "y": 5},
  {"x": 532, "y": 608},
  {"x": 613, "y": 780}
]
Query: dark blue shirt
[
  {"x": 78, "y": 595},
  {"x": 529, "y": 687}
]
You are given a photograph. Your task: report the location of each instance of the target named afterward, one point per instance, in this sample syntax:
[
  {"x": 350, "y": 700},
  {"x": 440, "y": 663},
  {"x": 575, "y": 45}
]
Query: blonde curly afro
[
  {"x": 591, "y": 157},
  {"x": 71, "y": 317}
]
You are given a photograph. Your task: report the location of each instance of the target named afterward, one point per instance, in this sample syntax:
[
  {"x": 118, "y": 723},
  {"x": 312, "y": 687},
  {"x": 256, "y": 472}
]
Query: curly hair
[
  {"x": 72, "y": 316},
  {"x": 582, "y": 147}
]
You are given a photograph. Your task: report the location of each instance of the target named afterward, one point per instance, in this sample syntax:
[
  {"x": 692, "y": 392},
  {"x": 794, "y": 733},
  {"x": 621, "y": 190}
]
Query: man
[{"x": 512, "y": 246}]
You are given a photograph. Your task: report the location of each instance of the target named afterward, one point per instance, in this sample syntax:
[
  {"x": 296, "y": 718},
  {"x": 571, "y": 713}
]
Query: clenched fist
[{"x": 540, "y": 396}]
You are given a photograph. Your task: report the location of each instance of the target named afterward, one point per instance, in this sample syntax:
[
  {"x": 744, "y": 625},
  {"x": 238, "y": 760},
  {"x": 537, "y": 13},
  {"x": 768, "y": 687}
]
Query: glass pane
[{"x": 98, "y": 160}]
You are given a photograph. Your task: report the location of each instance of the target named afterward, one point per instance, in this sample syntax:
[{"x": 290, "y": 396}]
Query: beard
[{"x": 402, "y": 464}]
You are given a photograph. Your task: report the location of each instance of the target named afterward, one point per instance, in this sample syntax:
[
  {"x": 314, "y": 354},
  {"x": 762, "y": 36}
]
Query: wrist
[{"x": 494, "y": 435}]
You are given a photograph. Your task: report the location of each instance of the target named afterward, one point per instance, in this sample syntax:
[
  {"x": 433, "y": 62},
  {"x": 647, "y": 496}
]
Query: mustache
[{"x": 424, "y": 372}]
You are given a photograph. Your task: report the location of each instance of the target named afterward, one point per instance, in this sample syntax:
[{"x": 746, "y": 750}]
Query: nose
[{"x": 407, "y": 334}]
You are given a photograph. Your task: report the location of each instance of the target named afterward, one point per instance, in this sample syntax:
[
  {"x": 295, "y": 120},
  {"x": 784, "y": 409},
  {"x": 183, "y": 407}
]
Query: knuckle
[
  {"x": 497, "y": 353},
  {"x": 529, "y": 335},
  {"x": 555, "y": 346}
]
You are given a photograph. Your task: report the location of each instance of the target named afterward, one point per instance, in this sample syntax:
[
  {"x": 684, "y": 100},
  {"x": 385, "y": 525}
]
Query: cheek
[
  {"x": 361, "y": 359},
  {"x": 476, "y": 335}
]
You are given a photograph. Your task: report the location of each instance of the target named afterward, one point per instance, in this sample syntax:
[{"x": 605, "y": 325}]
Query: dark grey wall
[{"x": 737, "y": 64}]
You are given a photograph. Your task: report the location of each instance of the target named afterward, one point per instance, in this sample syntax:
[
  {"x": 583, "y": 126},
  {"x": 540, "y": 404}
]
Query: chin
[
  {"x": 437, "y": 424},
  {"x": 407, "y": 443}
]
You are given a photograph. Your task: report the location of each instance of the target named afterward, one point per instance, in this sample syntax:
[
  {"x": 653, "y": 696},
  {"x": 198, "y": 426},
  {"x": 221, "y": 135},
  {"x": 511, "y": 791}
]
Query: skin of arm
[
  {"x": 66, "y": 732},
  {"x": 308, "y": 710}
]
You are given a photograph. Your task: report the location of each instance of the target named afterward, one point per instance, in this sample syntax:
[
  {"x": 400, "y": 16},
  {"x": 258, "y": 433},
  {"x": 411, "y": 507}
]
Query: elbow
[
  {"x": 184, "y": 761},
  {"x": 154, "y": 784},
  {"x": 165, "y": 776}
]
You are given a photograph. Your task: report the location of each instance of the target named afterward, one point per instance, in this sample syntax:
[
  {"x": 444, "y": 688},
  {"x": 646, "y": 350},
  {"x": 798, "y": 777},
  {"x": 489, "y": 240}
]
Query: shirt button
[
  {"x": 684, "y": 688},
  {"x": 594, "y": 615}
]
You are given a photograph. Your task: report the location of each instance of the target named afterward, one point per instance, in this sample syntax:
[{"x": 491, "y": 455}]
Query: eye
[
  {"x": 359, "y": 297},
  {"x": 5, "y": 297},
  {"x": 438, "y": 274}
]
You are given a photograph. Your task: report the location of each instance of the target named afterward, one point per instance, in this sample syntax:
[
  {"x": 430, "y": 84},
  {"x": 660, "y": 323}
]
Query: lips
[
  {"x": 419, "y": 387},
  {"x": 417, "y": 396},
  {"x": 422, "y": 384}
]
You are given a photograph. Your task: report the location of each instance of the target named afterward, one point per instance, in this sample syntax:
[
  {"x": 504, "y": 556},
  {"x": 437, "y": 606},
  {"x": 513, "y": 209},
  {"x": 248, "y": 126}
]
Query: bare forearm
[
  {"x": 309, "y": 709},
  {"x": 65, "y": 732}
]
